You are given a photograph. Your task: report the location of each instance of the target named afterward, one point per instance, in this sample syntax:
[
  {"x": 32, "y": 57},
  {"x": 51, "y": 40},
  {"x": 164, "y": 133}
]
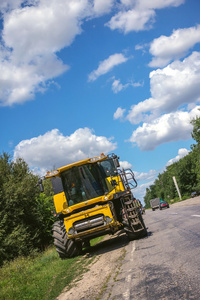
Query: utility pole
[{"x": 176, "y": 185}]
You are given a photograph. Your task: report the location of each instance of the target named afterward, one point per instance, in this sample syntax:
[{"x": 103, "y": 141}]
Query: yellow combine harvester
[{"x": 92, "y": 197}]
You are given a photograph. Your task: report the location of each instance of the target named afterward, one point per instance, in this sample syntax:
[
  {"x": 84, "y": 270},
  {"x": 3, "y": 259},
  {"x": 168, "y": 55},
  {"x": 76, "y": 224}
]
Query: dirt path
[{"x": 108, "y": 258}]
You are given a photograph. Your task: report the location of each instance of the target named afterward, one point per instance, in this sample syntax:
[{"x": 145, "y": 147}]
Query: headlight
[
  {"x": 71, "y": 231},
  {"x": 108, "y": 220},
  {"x": 93, "y": 159},
  {"x": 53, "y": 173}
]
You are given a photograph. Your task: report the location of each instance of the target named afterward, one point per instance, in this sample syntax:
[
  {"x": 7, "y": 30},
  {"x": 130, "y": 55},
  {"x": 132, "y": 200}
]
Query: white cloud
[
  {"x": 165, "y": 49},
  {"x": 140, "y": 190},
  {"x": 103, "y": 6},
  {"x": 119, "y": 113},
  {"x": 117, "y": 86},
  {"x": 171, "y": 87},
  {"x": 158, "y": 4},
  {"x": 125, "y": 165},
  {"x": 42, "y": 29},
  {"x": 18, "y": 83},
  {"x": 151, "y": 175},
  {"x": 168, "y": 128},
  {"x": 33, "y": 32},
  {"x": 131, "y": 20},
  {"x": 181, "y": 153},
  {"x": 31, "y": 37},
  {"x": 53, "y": 149},
  {"x": 107, "y": 65},
  {"x": 139, "y": 14}
]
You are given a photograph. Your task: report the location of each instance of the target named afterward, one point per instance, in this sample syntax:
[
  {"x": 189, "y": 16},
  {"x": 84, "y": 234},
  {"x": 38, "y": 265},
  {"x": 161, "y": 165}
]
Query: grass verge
[{"x": 41, "y": 277}]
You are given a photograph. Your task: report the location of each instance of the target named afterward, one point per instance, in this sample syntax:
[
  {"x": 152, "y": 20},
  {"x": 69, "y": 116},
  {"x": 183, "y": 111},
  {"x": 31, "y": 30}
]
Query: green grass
[{"x": 41, "y": 277}]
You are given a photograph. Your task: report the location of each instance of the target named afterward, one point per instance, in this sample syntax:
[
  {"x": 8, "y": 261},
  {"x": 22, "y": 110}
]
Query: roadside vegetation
[
  {"x": 186, "y": 172},
  {"x": 42, "y": 275}
]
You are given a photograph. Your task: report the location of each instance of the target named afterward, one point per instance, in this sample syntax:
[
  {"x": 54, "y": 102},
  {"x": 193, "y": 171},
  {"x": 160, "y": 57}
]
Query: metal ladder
[{"x": 132, "y": 214}]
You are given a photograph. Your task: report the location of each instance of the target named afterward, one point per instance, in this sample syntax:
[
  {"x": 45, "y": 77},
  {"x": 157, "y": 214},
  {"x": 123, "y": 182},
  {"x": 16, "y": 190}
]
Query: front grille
[{"x": 89, "y": 223}]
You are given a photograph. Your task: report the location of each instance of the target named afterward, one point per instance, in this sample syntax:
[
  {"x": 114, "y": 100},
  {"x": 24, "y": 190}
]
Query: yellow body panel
[
  {"x": 61, "y": 205},
  {"x": 60, "y": 202},
  {"x": 101, "y": 209},
  {"x": 119, "y": 187}
]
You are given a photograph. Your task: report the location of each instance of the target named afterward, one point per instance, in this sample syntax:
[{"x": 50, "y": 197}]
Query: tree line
[
  {"x": 25, "y": 214},
  {"x": 186, "y": 172}
]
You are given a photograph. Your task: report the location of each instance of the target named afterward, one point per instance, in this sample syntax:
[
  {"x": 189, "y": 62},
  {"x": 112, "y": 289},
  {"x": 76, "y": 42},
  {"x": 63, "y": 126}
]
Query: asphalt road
[{"x": 165, "y": 264}]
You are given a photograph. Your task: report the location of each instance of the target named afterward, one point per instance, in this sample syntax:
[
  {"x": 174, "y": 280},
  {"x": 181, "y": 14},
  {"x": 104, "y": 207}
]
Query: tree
[
  {"x": 196, "y": 130},
  {"x": 186, "y": 171},
  {"x": 25, "y": 215}
]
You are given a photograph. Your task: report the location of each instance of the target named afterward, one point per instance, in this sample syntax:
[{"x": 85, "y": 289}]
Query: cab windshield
[{"x": 88, "y": 181}]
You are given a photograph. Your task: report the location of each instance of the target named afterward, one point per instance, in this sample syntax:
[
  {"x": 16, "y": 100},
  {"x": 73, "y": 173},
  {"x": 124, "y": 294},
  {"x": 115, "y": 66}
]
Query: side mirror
[{"x": 41, "y": 185}]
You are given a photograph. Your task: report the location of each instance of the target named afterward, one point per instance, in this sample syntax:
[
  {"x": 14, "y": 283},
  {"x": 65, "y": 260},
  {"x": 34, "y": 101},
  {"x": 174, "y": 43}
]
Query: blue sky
[{"x": 82, "y": 77}]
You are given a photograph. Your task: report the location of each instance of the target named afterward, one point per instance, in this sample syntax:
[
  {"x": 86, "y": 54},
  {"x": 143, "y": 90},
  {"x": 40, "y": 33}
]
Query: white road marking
[
  {"x": 198, "y": 216},
  {"x": 128, "y": 278},
  {"x": 132, "y": 251},
  {"x": 126, "y": 295}
]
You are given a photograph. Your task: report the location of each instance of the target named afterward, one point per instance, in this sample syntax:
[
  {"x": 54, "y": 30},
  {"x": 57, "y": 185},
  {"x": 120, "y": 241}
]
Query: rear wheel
[{"x": 65, "y": 247}]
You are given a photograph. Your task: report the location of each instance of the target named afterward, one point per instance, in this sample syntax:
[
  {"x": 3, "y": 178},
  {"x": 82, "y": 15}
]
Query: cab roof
[{"x": 91, "y": 160}]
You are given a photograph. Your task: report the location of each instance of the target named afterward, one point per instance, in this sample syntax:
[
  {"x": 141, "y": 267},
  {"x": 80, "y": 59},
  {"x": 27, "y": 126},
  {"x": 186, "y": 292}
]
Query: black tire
[
  {"x": 65, "y": 247},
  {"x": 130, "y": 234},
  {"x": 143, "y": 233}
]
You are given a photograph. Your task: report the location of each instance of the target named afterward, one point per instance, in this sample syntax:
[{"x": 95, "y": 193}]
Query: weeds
[{"x": 42, "y": 276}]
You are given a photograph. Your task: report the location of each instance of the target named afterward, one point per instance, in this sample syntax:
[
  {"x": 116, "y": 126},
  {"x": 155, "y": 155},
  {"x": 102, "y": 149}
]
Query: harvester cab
[{"x": 93, "y": 197}]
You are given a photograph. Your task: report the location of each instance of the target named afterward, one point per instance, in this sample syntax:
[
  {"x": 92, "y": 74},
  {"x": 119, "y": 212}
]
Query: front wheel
[{"x": 65, "y": 247}]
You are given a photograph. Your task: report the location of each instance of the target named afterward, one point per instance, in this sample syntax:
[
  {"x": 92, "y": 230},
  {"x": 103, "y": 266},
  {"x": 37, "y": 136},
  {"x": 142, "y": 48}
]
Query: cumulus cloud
[
  {"x": 165, "y": 49},
  {"x": 119, "y": 113},
  {"x": 171, "y": 88},
  {"x": 33, "y": 32},
  {"x": 107, "y": 65},
  {"x": 53, "y": 149},
  {"x": 31, "y": 37},
  {"x": 181, "y": 153},
  {"x": 132, "y": 20},
  {"x": 125, "y": 165},
  {"x": 138, "y": 15},
  {"x": 167, "y": 128}
]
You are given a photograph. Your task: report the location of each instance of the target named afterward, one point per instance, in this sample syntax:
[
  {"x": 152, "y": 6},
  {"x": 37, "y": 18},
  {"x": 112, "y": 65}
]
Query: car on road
[
  {"x": 194, "y": 194},
  {"x": 163, "y": 204}
]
